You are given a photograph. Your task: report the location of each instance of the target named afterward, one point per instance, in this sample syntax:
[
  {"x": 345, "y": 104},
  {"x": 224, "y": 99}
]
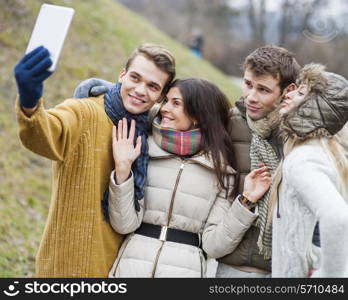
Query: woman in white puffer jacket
[{"x": 187, "y": 208}]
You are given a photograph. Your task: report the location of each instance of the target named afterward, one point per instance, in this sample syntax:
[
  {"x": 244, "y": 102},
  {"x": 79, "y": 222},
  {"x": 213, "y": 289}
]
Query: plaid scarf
[
  {"x": 262, "y": 151},
  {"x": 115, "y": 110},
  {"x": 181, "y": 143}
]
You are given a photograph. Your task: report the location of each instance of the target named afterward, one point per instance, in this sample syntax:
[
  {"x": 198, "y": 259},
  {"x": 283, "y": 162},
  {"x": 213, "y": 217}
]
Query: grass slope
[{"x": 102, "y": 35}]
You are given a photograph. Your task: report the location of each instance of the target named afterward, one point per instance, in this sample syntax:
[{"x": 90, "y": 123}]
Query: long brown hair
[{"x": 208, "y": 105}]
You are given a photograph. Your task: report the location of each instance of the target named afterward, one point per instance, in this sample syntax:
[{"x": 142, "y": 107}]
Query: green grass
[{"x": 102, "y": 35}]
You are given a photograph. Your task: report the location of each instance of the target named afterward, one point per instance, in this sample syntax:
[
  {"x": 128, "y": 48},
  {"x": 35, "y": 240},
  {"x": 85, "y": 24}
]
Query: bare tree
[
  {"x": 257, "y": 15},
  {"x": 232, "y": 31},
  {"x": 296, "y": 15}
]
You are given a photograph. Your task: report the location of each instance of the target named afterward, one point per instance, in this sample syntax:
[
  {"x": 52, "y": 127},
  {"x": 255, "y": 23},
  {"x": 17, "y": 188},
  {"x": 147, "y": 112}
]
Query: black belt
[{"x": 165, "y": 233}]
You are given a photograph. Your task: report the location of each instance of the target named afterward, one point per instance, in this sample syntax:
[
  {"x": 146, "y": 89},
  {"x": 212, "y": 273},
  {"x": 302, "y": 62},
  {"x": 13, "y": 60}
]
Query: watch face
[
  {"x": 246, "y": 203},
  {"x": 245, "y": 200},
  {"x": 242, "y": 199}
]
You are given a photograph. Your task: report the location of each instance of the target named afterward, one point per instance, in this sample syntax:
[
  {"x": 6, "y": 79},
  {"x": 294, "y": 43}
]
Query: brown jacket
[{"x": 247, "y": 252}]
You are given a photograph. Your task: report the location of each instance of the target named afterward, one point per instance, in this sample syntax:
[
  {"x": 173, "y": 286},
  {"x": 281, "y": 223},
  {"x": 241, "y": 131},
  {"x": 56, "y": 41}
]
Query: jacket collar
[
  {"x": 157, "y": 152},
  {"x": 241, "y": 106}
]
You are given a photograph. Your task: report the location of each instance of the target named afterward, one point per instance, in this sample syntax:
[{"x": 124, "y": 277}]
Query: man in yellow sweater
[{"x": 78, "y": 241}]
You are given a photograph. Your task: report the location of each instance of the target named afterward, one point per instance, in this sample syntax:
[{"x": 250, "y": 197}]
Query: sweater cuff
[
  {"x": 241, "y": 213},
  {"x": 23, "y": 118}
]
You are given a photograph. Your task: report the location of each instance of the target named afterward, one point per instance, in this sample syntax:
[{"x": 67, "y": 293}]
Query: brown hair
[
  {"x": 160, "y": 56},
  {"x": 208, "y": 105},
  {"x": 275, "y": 61}
]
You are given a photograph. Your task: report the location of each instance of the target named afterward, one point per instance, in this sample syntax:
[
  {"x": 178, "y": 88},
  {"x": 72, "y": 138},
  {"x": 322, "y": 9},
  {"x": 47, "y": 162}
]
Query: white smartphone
[{"x": 50, "y": 30}]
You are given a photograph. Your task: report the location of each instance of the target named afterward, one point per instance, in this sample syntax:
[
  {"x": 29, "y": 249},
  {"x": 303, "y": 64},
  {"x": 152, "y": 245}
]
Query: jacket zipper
[
  {"x": 156, "y": 261},
  {"x": 170, "y": 214},
  {"x": 174, "y": 192}
]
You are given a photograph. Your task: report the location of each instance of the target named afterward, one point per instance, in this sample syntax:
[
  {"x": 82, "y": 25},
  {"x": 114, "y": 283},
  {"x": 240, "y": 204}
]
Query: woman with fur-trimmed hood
[{"x": 311, "y": 184}]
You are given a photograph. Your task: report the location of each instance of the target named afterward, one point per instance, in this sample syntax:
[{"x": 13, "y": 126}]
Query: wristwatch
[{"x": 246, "y": 202}]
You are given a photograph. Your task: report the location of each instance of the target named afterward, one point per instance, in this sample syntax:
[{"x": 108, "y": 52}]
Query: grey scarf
[{"x": 261, "y": 151}]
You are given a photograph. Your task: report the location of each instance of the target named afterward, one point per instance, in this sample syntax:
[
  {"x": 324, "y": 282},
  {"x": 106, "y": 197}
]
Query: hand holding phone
[{"x": 30, "y": 72}]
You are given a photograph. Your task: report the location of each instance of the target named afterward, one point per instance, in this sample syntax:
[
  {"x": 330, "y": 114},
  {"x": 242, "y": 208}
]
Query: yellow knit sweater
[{"x": 76, "y": 135}]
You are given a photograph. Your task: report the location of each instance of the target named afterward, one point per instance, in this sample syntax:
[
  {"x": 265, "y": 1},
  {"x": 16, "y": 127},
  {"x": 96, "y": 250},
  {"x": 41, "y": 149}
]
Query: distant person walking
[{"x": 196, "y": 42}]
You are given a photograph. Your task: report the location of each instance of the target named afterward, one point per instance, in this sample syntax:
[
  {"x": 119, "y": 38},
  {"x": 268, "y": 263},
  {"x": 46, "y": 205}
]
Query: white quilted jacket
[
  {"x": 181, "y": 194},
  {"x": 310, "y": 193}
]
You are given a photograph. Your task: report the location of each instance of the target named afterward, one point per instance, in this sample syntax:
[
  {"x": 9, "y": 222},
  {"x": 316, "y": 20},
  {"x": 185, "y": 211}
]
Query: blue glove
[
  {"x": 92, "y": 87},
  {"x": 30, "y": 72}
]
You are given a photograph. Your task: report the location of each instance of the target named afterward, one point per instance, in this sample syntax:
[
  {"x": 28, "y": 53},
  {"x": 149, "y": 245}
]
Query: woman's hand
[
  {"x": 123, "y": 149},
  {"x": 256, "y": 184}
]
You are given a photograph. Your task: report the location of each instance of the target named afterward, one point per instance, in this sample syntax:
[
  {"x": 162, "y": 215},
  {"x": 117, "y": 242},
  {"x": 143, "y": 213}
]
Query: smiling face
[
  {"x": 142, "y": 85},
  {"x": 261, "y": 93},
  {"x": 293, "y": 99},
  {"x": 173, "y": 112}
]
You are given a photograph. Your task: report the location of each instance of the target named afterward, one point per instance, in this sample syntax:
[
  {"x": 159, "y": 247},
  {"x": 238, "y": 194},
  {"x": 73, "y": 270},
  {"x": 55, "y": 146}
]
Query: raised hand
[
  {"x": 30, "y": 72},
  {"x": 257, "y": 183},
  {"x": 124, "y": 151},
  {"x": 92, "y": 87}
]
